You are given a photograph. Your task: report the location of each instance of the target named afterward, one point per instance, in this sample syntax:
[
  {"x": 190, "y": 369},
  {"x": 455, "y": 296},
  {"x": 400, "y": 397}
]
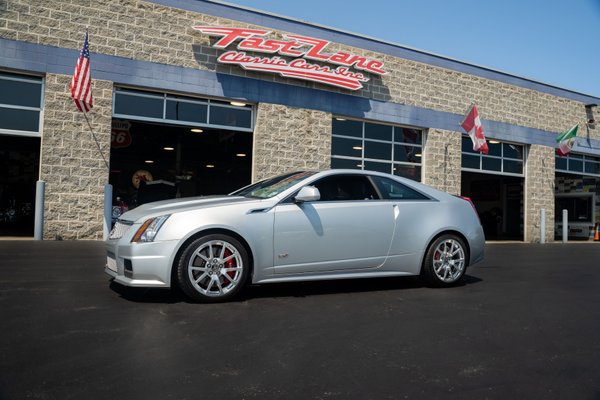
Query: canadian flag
[{"x": 472, "y": 125}]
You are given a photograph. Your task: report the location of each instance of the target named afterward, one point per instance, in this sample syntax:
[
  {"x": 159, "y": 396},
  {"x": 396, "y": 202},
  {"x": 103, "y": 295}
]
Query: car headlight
[{"x": 149, "y": 229}]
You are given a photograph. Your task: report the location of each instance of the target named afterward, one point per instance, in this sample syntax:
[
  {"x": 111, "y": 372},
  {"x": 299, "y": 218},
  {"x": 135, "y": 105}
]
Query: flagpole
[{"x": 96, "y": 140}]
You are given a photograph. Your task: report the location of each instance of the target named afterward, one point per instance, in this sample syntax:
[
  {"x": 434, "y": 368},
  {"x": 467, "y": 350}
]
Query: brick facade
[
  {"x": 442, "y": 160},
  {"x": 285, "y": 138},
  {"x": 71, "y": 166},
  {"x": 288, "y": 139},
  {"x": 539, "y": 192},
  {"x": 156, "y": 33}
]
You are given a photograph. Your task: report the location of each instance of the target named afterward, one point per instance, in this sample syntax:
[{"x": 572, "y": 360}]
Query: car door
[{"x": 349, "y": 228}]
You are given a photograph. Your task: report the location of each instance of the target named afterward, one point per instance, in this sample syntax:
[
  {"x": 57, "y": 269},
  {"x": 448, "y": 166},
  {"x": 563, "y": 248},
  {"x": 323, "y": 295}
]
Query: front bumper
[{"x": 140, "y": 264}]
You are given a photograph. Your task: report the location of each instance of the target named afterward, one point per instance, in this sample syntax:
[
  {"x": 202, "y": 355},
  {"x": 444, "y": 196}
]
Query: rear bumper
[{"x": 477, "y": 245}]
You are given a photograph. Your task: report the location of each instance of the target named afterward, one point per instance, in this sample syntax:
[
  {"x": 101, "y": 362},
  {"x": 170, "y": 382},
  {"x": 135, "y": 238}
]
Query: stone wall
[
  {"x": 539, "y": 192},
  {"x": 71, "y": 166},
  {"x": 288, "y": 139},
  {"x": 442, "y": 160}
]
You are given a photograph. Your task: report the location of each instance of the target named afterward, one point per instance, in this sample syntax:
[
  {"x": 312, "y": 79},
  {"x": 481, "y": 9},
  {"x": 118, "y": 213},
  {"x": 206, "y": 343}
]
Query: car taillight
[{"x": 472, "y": 205}]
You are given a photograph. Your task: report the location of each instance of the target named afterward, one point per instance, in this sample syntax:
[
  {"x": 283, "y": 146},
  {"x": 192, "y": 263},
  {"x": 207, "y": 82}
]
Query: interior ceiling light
[
  {"x": 196, "y": 130},
  {"x": 240, "y": 155},
  {"x": 357, "y": 148},
  {"x": 169, "y": 148},
  {"x": 149, "y": 162},
  {"x": 237, "y": 103},
  {"x": 418, "y": 155},
  {"x": 209, "y": 166},
  {"x": 491, "y": 141},
  {"x": 340, "y": 119}
]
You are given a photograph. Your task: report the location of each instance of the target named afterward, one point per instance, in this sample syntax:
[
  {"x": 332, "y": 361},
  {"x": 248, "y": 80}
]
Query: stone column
[
  {"x": 442, "y": 160},
  {"x": 70, "y": 161},
  {"x": 539, "y": 192},
  {"x": 288, "y": 139}
]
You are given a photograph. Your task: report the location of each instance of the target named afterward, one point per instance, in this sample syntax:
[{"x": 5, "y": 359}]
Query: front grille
[{"x": 119, "y": 229}]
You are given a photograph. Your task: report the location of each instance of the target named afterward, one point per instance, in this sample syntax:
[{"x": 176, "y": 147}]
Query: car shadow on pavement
[
  {"x": 291, "y": 289},
  {"x": 149, "y": 295},
  {"x": 317, "y": 288}
]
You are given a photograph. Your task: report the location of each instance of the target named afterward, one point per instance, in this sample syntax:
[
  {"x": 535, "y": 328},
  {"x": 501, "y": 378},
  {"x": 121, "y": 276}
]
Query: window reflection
[
  {"x": 377, "y": 147},
  {"x": 230, "y": 116}
]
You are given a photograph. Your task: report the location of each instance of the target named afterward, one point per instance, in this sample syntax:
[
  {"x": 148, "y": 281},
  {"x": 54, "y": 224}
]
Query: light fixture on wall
[
  {"x": 589, "y": 112},
  {"x": 237, "y": 103}
]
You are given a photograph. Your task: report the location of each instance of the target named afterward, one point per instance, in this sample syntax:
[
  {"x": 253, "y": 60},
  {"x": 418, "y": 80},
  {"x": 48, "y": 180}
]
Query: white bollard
[
  {"x": 107, "y": 210},
  {"x": 40, "y": 198},
  {"x": 543, "y": 227},
  {"x": 565, "y": 232}
]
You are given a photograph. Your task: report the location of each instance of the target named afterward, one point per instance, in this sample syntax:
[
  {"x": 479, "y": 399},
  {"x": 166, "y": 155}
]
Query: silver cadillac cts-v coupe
[{"x": 299, "y": 226}]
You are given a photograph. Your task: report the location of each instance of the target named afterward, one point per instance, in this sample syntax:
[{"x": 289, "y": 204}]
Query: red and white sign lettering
[{"x": 346, "y": 72}]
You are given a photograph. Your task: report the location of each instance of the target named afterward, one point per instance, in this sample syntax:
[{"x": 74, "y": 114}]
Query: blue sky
[{"x": 554, "y": 41}]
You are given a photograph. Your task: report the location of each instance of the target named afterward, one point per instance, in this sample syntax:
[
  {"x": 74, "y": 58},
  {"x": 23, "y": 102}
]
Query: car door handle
[{"x": 396, "y": 211}]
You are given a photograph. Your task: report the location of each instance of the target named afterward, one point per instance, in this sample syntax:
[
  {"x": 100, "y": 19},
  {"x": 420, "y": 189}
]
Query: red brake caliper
[{"x": 229, "y": 263}]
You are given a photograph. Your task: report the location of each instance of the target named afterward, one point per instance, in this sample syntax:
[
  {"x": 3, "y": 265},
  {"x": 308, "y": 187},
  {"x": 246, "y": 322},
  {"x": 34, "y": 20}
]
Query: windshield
[{"x": 272, "y": 186}]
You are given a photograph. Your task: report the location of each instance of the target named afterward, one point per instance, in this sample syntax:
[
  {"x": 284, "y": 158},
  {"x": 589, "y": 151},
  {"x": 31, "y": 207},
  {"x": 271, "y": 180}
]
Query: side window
[
  {"x": 392, "y": 190},
  {"x": 346, "y": 187}
]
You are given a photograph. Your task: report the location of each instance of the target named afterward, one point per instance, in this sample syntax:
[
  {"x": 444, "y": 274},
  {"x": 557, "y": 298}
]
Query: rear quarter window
[{"x": 393, "y": 190}]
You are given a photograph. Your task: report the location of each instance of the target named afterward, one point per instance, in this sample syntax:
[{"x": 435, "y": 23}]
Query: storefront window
[
  {"x": 20, "y": 104},
  {"x": 376, "y": 147},
  {"x": 502, "y": 158}
]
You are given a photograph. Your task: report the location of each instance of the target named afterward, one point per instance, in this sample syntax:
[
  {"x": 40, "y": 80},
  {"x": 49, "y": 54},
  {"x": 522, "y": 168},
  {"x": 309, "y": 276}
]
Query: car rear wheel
[
  {"x": 212, "y": 268},
  {"x": 445, "y": 262}
]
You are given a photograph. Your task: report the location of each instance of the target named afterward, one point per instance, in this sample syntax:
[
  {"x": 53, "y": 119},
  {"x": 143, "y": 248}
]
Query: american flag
[{"x": 81, "y": 84}]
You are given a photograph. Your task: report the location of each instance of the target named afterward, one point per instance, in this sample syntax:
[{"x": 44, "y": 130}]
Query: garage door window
[
  {"x": 20, "y": 104},
  {"x": 376, "y": 147},
  {"x": 182, "y": 110},
  {"x": 579, "y": 164},
  {"x": 502, "y": 158}
]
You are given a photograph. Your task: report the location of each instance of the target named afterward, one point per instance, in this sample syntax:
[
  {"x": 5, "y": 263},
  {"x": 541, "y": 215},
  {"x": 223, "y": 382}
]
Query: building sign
[
  {"x": 346, "y": 72},
  {"x": 119, "y": 135}
]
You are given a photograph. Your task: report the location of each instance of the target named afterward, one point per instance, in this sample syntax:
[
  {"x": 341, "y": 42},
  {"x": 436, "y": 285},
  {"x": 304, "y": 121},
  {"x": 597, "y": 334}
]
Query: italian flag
[
  {"x": 566, "y": 140},
  {"x": 472, "y": 125}
]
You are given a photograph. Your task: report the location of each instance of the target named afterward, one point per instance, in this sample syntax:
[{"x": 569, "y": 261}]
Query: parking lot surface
[{"x": 525, "y": 325}]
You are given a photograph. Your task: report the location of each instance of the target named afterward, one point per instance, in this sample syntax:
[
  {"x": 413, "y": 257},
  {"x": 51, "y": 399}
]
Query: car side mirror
[{"x": 307, "y": 193}]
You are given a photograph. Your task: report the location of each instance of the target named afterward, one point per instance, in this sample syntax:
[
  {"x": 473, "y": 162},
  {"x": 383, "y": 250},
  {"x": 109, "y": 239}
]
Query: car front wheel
[
  {"x": 445, "y": 262},
  {"x": 212, "y": 268}
]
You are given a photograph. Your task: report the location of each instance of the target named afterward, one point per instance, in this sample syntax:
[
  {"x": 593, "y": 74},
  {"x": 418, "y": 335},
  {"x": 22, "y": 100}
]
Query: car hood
[{"x": 183, "y": 204}]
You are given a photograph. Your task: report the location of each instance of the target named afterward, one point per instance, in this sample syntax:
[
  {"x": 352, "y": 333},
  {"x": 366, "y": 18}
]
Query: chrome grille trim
[{"x": 120, "y": 228}]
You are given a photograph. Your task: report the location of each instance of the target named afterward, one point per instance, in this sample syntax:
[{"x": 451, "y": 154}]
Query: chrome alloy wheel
[
  {"x": 449, "y": 260},
  {"x": 215, "y": 268}
]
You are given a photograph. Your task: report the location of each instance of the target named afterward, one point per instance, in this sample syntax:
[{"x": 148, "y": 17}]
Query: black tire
[
  {"x": 445, "y": 262},
  {"x": 213, "y": 268}
]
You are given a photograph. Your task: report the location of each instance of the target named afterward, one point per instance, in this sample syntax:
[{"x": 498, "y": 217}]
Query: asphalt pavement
[{"x": 525, "y": 325}]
